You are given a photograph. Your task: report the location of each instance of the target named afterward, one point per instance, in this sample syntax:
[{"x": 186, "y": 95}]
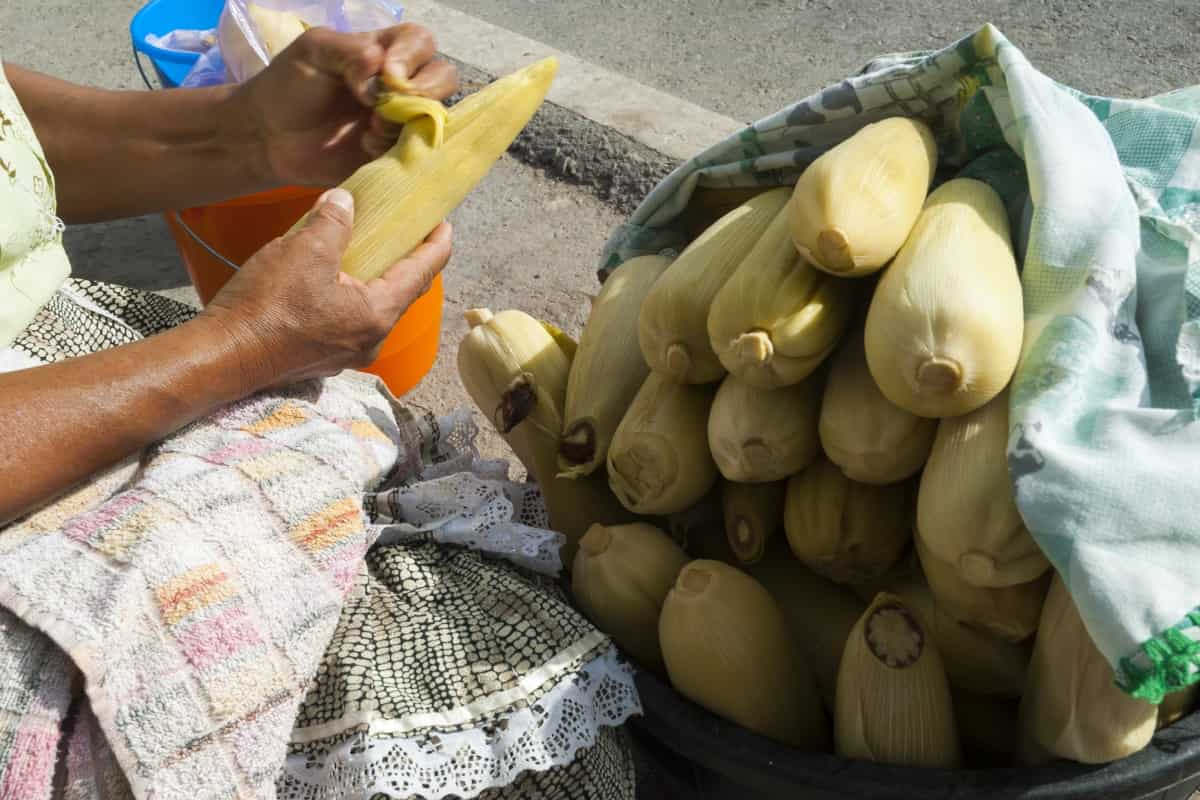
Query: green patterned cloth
[{"x": 1104, "y": 451}]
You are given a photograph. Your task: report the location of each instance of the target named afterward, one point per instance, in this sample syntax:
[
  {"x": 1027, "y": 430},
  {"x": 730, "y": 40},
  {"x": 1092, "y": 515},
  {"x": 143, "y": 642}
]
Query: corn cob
[
  {"x": 753, "y": 513},
  {"x": 516, "y": 373},
  {"x": 778, "y": 317},
  {"x": 727, "y": 648},
  {"x": 762, "y": 435},
  {"x": 966, "y": 511},
  {"x": 1072, "y": 707},
  {"x": 946, "y": 322},
  {"x": 854, "y": 206},
  {"x": 869, "y": 437},
  {"x": 621, "y": 576},
  {"x": 819, "y": 613},
  {"x": 709, "y": 203},
  {"x": 672, "y": 325},
  {"x": 658, "y": 462},
  {"x": 975, "y": 661},
  {"x": 893, "y": 700},
  {"x": 402, "y": 196},
  {"x": 1008, "y": 612},
  {"x": 608, "y": 370},
  {"x": 847, "y": 531},
  {"x": 700, "y": 530}
]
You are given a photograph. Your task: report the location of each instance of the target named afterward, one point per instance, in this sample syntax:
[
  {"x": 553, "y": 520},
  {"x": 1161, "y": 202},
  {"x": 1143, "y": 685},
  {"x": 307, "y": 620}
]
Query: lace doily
[
  {"x": 460, "y": 499},
  {"x": 465, "y": 763}
]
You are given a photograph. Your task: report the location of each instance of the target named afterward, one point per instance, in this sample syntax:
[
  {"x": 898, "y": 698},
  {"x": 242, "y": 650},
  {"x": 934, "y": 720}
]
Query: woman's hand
[
  {"x": 291, "y": 314},
  {"x": 312, "y": 108}
]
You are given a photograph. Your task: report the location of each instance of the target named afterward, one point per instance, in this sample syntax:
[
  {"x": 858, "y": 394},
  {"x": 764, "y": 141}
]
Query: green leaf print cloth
[{"x": 1104, "y": 452}]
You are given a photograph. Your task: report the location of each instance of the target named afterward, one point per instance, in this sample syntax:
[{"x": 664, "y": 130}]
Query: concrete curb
[{"x": 659, "y": 121}]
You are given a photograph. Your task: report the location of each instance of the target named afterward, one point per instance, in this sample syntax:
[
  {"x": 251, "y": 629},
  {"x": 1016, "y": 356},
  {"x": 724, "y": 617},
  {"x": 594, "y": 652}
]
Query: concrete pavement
[{"x": 747, "y": 58}]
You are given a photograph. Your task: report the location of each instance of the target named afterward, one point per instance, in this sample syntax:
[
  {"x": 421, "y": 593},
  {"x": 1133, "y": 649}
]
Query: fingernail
[{"x": 338, "y": 197}]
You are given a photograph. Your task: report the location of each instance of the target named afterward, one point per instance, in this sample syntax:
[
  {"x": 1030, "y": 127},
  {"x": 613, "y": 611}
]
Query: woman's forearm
[
  {"x": 63, "y": 422},
  {"x": 119, "y": 154}
]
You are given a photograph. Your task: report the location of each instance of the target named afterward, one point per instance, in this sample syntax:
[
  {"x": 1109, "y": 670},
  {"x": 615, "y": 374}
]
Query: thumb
[{"x": 331, "y": 221}]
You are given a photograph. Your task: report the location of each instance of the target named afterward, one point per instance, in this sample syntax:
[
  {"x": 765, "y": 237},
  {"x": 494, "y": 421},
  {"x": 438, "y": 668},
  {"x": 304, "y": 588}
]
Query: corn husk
[
  {"x": 778, "y": 317},
  {"x": 659, "y": 461},
  {"x": 763, "y": 435},
  {"x": 846, "y": 531},
  {"x": 854, "y": 206},
  {"x": 727, "y": 648},
  {"x": 515, "y": 370},
  {"x": 753, "y": 514},
  {"x": 893, "y": 699},
  {"x": 946, "y": 322},
  {"x": 700, "y": 530},
  {"x": 1072, "y": 707},
  {"x": 975, "y": 661},
  {"x": 620, "y": 579},
  {"x": 1008, "y": 612},
  {"x": 441, "y": 155},
  {"x": 869, "y": 437},
  {"x": 709, "y": 203},
  {"x": 672, "y": 325},
  {"x": 966, "y": 510},
  {"x": 819, "y": 613},
  {"x": 907, "y": 569},
  {"x": 608, "y": 368}
]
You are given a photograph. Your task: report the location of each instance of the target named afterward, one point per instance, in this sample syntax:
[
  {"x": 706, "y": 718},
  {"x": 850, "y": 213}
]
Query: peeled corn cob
[
  {"x": 402, "y": 196},
  {"x": 965, "y": 508},
  {"x": 762, "y": 435},
  {"x": 609, "y": 369},
  {"x": 672, "y": 325},
  {"x": 946, "y": 322},
  {"x": 516, "y": 372},
  {"x": 658, "y": 462},
  {"x": 1072, "y": 707},
  {"x": 727, "y": 648},
  {"x": 854, "y": 206},
  {"x": 1009, "y": 612},
  {"x": 869, "y": 437},
  {"x": 621, "y": 576},
  {"x": 778, "y": 317},
  {"x": 820, "y": 613},
  {"x": 893, "y": 700},
  {"x": 847, "y": 531},
  {"x": 753, "y": 514}
]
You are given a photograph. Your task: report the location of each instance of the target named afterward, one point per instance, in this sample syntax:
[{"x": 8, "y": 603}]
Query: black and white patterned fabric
[{"x": 85, "y": 316}]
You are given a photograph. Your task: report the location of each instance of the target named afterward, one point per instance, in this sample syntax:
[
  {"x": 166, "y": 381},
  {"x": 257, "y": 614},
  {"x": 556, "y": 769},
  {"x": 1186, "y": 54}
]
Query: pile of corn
[{"x": 779, "y": 460}]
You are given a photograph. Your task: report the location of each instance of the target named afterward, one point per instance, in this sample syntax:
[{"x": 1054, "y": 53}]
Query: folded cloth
[
  {"x": 197, "y": 588},
  {"x": 1104, "y": 404}
]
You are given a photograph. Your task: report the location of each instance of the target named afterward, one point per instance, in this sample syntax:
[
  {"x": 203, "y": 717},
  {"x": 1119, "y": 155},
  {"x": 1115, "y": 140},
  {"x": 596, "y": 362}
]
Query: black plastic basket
[{"x": 705, "y": 757}]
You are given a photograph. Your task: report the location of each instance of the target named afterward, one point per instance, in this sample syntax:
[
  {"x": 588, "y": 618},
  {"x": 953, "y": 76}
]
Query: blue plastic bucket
[{"x": 160, "y": 17}]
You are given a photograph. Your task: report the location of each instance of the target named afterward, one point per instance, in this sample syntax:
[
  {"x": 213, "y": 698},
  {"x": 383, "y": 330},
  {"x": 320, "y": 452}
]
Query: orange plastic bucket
[{"x": 214, "y": 240}]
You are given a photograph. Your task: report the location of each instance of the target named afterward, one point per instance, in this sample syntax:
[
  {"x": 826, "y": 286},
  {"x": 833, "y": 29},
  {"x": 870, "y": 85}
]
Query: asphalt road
[{"x": 748, "y": 58}]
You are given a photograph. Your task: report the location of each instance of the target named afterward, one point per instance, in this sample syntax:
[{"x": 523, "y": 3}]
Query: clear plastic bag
[{"x": 252, "y": 32}]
